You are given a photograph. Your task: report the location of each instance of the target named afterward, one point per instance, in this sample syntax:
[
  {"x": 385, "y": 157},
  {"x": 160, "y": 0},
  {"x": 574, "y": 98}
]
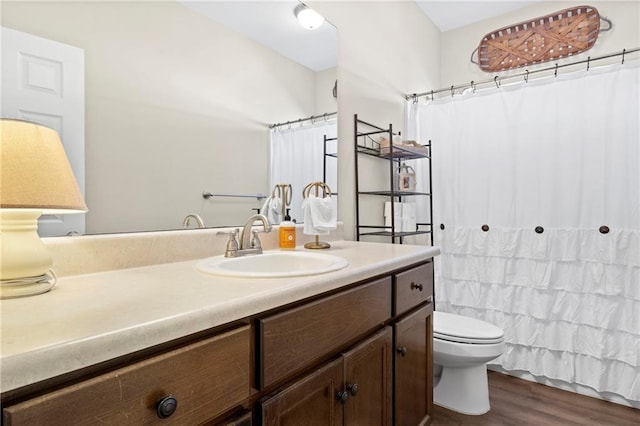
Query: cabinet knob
[
  {"x": 166, "y": 406},
  {"x": 402, "y": 350},
  {"x": 343, "y": 397},
  {"x": 415, "y": 286},
  {"x": 353, "y": 389}
]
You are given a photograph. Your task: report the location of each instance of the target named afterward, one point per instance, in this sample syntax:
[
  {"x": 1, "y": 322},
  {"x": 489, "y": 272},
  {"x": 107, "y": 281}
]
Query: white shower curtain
[
  {"x": 297, "y": 157},
  {"x": 561, "y": 154}
]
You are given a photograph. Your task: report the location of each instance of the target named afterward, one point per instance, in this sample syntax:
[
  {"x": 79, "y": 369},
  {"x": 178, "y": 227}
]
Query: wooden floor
[{"x": 520, "y": 402}]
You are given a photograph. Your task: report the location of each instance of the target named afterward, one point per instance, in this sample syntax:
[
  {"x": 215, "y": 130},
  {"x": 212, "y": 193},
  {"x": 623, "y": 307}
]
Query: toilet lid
[{"x": 457, "y": 328}]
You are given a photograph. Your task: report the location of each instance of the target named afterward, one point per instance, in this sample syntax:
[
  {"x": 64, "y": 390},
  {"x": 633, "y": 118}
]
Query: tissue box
[{"x": 405, "y": 216}]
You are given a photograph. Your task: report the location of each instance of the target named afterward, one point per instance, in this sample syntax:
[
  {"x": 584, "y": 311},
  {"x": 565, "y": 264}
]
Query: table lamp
[{"x": 35, "y": 179}]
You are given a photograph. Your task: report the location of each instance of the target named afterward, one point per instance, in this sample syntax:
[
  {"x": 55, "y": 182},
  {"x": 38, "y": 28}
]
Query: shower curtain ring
[
  {"x": 496, "y": 81},
  {"x": 588, "y": 62},
  {"x": 526, "y": 76},
  {"x": 623, "y": 52},
  {"x": 452, "y": 91},
  {"x": 555, "y": 73},
  {"x": 415, "y": 98},
  {"x": 473, "y": 86},
  {"x": 432, "y": 98}
]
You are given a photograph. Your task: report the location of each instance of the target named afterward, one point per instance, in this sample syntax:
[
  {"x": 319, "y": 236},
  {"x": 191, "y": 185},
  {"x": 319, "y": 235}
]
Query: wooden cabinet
[
  {"x": 413, "y": 333},
  {"x": 368, "y": 381},
  {"x": 354, "y": 389},
  {"x": 242, "y": 419},
  {"x": 292, "y": 340},
  {"x": 190, "y": 385},
  {"x": 358, "y": 356},
  {"x": 386, "y": 378},
  {"x": 413, "y": 398},
  {"x": 412, "y": 287},
  {"x": 309, "y": 401}
]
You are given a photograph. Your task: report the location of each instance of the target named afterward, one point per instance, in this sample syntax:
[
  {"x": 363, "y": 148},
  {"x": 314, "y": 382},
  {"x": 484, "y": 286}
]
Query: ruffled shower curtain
[
  {"x": 297, "y": 157},
  {"x": 561, "y": 155}
]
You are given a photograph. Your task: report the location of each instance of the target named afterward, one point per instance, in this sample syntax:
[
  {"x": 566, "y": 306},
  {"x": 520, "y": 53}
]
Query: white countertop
[{"x": 87, "y": 319}]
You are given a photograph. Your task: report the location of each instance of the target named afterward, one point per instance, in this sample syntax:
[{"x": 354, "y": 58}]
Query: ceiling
[{"x": 272, "y": 23}]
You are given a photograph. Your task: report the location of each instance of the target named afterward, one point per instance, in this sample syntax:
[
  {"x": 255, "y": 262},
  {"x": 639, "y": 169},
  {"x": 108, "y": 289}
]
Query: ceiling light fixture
[{"x": 308, "y": 18}]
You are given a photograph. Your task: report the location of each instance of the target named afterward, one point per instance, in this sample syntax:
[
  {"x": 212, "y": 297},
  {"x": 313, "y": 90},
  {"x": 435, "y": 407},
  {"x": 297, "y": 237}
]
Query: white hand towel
[
  {"x": 408, "y": 217},
  {"x": 272, "y": 210},
  {"x": 320, "y": 215},
  {"x": 307, "y": 227}
]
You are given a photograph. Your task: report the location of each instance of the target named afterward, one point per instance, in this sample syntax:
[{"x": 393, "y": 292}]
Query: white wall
[
  {"x": 175, "y": 104},
  {"x": 325, "y": 102},
  {"x": 385, "y": 50},
  {"x": 458, "y": 44}
]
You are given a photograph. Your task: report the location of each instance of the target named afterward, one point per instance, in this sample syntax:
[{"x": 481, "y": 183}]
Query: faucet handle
[
  {"x": 232, "y": 244},
  {"x": 255, "y": 240}
]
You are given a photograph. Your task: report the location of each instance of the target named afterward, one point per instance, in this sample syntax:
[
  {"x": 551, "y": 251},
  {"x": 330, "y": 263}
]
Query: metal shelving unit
[
  {"x": 365, "y": 144},
  {"x": 328, "y": 154}
]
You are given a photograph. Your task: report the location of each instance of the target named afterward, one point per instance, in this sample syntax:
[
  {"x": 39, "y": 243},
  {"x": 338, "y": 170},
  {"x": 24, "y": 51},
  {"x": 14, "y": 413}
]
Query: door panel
[
  {"x": 368, "y": 377},
  {"x": 43, "y": 82},
  {"x": 310, "y": 401},
  {"x": 414, "y": 367}
]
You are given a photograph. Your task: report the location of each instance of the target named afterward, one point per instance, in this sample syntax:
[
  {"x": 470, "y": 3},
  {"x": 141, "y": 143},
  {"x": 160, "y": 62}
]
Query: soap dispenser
[{"x": 287, "y": 233}]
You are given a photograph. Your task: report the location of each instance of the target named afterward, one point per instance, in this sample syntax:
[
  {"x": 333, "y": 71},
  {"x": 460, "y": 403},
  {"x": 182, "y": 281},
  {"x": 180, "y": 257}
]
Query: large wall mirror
[{"x": 179, "y": 98}]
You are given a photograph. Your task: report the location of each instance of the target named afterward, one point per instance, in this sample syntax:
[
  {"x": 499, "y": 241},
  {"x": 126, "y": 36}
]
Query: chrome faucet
[
  {"x": 249, "y": 240},
  {"x": 187, "y": 219}
]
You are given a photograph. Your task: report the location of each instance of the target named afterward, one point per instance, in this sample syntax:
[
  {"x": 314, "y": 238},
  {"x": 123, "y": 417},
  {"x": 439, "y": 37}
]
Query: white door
[{"x": 43, "y": 81}]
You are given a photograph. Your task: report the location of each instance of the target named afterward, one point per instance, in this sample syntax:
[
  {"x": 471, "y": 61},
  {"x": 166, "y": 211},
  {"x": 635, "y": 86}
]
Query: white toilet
[{"x": 462, "y": 346}]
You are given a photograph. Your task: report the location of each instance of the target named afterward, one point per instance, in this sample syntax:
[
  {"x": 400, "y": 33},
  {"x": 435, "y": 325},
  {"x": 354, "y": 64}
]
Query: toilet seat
[{"x": 460, "y": 329}]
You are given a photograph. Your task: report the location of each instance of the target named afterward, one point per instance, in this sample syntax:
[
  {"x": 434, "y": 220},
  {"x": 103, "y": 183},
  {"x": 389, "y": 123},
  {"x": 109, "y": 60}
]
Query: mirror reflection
[{"x": 178, "y": 102}]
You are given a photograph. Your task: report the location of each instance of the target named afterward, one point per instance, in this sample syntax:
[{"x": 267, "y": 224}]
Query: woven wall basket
[{"x": 547, "y": 38}]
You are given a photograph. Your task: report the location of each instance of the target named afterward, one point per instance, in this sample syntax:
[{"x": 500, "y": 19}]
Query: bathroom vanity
[{"x": 167, "y": 344}]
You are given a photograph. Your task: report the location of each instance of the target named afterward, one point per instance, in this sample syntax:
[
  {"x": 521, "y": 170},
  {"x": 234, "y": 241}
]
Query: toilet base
[{"x": 463, "y": 389}]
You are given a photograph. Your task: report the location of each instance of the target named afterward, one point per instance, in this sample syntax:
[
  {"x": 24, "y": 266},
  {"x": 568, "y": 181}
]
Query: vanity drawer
[
  {"x": 413, "y": 287},
  {"x": 299, "y": 337},
  {"x": 206, "y": 378}
]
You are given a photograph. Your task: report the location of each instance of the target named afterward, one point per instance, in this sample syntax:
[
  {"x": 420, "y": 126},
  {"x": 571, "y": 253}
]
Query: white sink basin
[{"x": 273, "y": 264}]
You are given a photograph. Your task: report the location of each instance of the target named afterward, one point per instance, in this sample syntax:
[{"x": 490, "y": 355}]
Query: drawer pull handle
[
  {"x": 353, "y": 389},
  {"x": 402, "y": 350},
  {"x": 166, "y": 406},
  {"x": 343, "y": 397},
  {"x": 416, "y": 286}
]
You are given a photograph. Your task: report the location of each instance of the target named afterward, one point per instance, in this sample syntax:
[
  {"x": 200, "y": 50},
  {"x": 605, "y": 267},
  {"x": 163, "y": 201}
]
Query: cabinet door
[
  {"x": 311, "y": 401},
  {"x": 368, "y": 379},
  {"x": 414, "y": 367},
  {"x": 243, "y": 419}
]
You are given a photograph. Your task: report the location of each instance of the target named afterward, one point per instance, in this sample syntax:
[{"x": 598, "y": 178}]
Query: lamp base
[
  {"x": 25, "y": 263},
  {"x": 30, "y": 286}
]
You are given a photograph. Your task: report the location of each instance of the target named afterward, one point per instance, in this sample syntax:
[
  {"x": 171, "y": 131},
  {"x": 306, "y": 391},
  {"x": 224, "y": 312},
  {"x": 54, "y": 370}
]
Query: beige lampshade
[{"x": 34, "y": 170}]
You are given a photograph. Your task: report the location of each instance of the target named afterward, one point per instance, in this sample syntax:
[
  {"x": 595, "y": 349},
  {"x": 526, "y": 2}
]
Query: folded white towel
[
  {"x": 320, "y": 215},
  {"x": 405, "y": 216},
  {"x": 272, "y": 209}
]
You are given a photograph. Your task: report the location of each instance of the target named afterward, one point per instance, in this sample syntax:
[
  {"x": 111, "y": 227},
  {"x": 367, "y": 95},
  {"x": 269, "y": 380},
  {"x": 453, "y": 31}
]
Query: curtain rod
[
  {"x": 497, "y": 79},
  {"x": 300, "y": 120}
]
